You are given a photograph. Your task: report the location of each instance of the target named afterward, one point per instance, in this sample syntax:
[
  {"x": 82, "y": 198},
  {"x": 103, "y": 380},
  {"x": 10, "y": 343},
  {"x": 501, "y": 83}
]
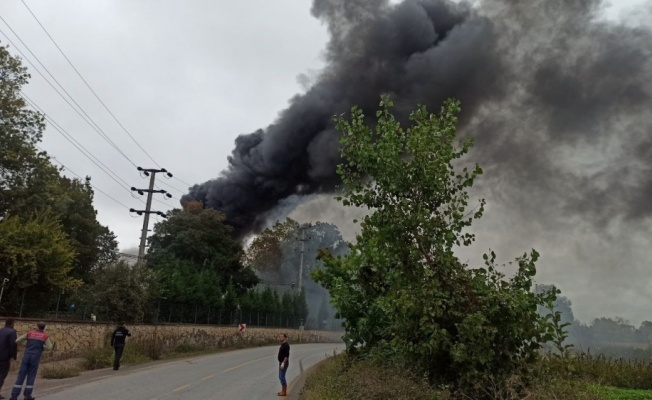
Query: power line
[
  {"x": 75, "y": 143},
  {"x": 173, "y": 187},
  {"x": 87, "y": 84},
  {"x": 85, "y": 117},
  {"x": 184, "y": 182}
]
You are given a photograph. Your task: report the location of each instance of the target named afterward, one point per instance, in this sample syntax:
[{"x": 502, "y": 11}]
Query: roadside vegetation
[
  {"x": 580, "y": 377},
  {"x": 419, "y": 322}
]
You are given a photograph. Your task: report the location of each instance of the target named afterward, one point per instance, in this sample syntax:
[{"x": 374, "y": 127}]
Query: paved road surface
[{"x": 235, "y": 375}]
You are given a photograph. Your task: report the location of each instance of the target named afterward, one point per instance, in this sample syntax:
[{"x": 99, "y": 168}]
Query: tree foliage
[
  {"x": 24, "y": 171},
  {"x": 36, "y": 253},
  {"x": 268, "y": 250},
  {"x": 402, "y": 291},
  {"x": 121, "y": 292},
  {"x": 197, "y": 258},
  {"x": 35, "y": 196}
]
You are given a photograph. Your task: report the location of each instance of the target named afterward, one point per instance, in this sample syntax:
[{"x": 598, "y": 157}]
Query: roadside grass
[
  {"x": 59, "y": 372},
  {"x": 611, "y": 393},
  {"x": 601, "y": 370},
  {"x": 97, "y": 358},
  {"x": 581, "y": 377},
  {"x": 342, "y": 378}
]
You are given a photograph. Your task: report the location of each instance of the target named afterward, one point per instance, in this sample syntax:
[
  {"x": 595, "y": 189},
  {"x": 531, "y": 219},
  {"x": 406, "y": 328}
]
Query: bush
[
  {"x": 403, "y": 293},
  {"x": 98, "y": 358},
  {"x": 136, "y": 353},
  {"x": 150, "y": 348},
  {"x": 58, "y": 372}
]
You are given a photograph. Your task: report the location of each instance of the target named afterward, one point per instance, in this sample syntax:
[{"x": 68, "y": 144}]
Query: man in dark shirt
[
  {"x": 284, "y": 362},
  {"x": 8, "y": 349},
  {"x": 118, "y": 343}
]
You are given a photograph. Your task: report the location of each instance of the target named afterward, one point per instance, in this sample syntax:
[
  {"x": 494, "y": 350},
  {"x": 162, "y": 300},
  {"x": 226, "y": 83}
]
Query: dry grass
[
  {"x": 341, "y": 378},
  {"x": 61, "y": 369}
]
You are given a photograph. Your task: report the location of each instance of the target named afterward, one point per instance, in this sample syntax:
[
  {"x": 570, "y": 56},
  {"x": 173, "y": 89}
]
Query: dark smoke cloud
[{"x": 559, "y": 102}]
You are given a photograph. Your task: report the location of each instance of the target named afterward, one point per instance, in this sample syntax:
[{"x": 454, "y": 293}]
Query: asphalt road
[{"x": 241, "y": 374}]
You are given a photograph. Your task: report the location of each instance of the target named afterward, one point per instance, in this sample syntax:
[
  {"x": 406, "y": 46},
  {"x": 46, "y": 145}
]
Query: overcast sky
[{"x": 185, "y": 78}]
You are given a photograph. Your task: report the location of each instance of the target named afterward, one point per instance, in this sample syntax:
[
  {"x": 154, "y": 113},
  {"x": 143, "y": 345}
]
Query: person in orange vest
[{"x": 37, "y": 341}]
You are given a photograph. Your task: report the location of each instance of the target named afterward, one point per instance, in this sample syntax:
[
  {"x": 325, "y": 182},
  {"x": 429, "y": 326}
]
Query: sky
[{"x": 186, "y": 78}]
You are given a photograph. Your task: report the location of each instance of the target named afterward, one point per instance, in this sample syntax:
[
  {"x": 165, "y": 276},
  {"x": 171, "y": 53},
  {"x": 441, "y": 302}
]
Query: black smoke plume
[{"x": 558, "y": 99}]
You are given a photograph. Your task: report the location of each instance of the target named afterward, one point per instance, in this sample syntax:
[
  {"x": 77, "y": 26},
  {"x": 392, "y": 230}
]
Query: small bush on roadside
[
  {"x": 136, "y": 353},
  {"x": 97, "y": 358},
  {"x": 153, "y": 349},
  {"x": 59, "y": 372}
]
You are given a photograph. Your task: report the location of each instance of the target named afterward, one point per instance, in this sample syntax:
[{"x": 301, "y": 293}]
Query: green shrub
[
  {"x": 97, "y": 358},
  {"x": 152, "y": 349},
  {"x": 403, "y": 293},
  {"x": 135, "y": 353}
]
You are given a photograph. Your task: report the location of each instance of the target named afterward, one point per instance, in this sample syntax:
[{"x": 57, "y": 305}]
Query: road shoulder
[{"x": 295, "y": 387}]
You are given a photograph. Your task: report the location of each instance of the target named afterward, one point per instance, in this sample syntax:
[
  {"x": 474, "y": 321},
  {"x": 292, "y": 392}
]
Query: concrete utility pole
[{"x": 148, "y": 207}]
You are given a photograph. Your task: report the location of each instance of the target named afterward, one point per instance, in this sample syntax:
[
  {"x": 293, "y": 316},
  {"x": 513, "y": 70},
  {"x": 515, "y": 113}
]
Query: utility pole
[
  {"x": 303, "y": 249},
  {"x": 148, "y": 207}
]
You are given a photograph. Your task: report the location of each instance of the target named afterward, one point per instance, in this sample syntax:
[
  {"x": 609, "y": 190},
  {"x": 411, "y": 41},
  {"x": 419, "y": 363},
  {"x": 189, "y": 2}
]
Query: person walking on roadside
[
  {"x": 37, "y": 341},
  {"x": 118, "y": 343},
  {"x": 8, "y": 350},
  {"x": 284, "y": 362}
]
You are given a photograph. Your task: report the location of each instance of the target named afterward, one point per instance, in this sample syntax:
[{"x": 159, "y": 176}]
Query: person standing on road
[
  {"x": 284, "y": 363},
  {"x": 118, "y": 343},
  {"x": 37, "y": 341},
  {"x": 8, "y": 349}
]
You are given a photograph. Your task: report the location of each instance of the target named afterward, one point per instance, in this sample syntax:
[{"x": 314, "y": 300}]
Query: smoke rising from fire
[{"x": 557, "y": 98}]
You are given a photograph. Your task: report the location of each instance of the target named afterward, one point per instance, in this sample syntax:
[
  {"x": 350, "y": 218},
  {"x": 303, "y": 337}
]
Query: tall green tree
[
  {"x": 37, "y": 256},
  {"x": 30, "y": 183},
  {"x": 95, "y": 245},
  {"x": 201, "y": 238},
  {"x": 25, "y": 172},
  {"x": 268, "y": 250},
  {"x": 121, "y": 292},
  {"x": 197, "y": 258},
  {"x": 403, "y": 292}
]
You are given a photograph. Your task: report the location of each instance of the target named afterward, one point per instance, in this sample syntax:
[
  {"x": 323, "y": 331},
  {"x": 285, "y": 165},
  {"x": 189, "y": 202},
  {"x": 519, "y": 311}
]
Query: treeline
[
  {"x": 266, "y": 307},
  {"x": 601, "y": 332},
  {"x": 50, "y": 239},
  {"x": 57, "y": 260}
]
